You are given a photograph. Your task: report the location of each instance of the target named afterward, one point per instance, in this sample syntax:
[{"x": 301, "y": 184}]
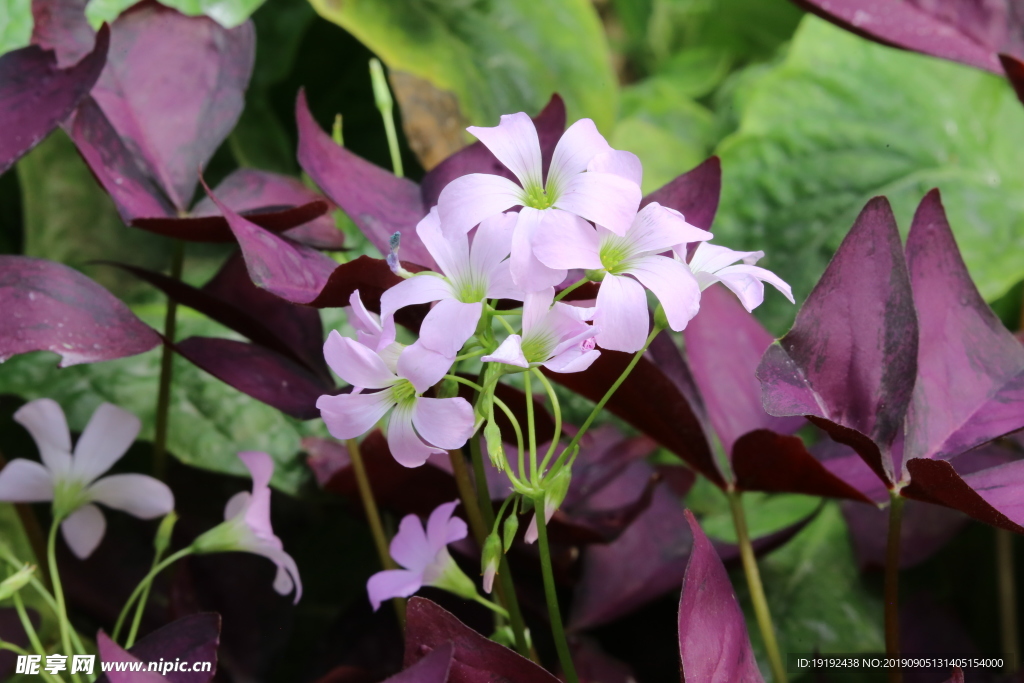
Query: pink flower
[
  {"x": 586, "y": 179},
  {"x": 424, "y": 556},
  {"x": 71, "y": 480},
  {"x": 621, "y": 317},
  {"x": 471, "y": 274},
  {"x": 556, "y": 337},
  {"x": 418, "y": 427},
  {"x": 246, "y": 527},
  {"x": 711, "y": 263},
  {"x": 373, "y": 333}
]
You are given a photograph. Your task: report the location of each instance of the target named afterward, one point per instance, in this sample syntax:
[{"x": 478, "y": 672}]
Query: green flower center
[
  {"x": 403, "y": 392},
  {"x": 615, "y": 253},
  {"x": 536, "y": 196},
  {"x": 537, "y": 347},
  {"x": 68, "y": 496},
  {"x": 471, "y": 289}
]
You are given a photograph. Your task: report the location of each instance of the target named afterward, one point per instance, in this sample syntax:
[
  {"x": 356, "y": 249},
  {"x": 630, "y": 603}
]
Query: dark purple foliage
[
  {"x": 476, "y": 659},
  {"x": 694, "y": 194},
  {"x": 924, "y": 531},
  {"x": 61, "y": 26},
  {"x": 713, "y": 643},
  {"x": 193, "y": 639},
  {"x": 50, "y": 307},
  {"x": 36, "y": 94},
  {"x": 433, "y": 668},
  {"x": 595, "y": 666}
]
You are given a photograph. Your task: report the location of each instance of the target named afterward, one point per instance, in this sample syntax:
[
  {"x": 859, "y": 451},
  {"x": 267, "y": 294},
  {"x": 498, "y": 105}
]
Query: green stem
[
  {"x": 146, "y": 580},
  {"x": 163, "y": 396},
  {"x": 380, "y": 539},
  {"x": 33, "y": 638},
  {"x": 531, "y": 433},
  {"x": 571, "y": 288},
  {"x": 757, "y": 597},
  {"x": 607, "y": 396},
  {"x": 557, "y": 631},
  {"x": 1006, "y": 577},
  {"x": 497, "y": 609},
  {"x": 385, "y": 104},
  {"x": 41, "y": 589},
  {"x": 556, "y": 408},
  {"x": 892, "y": 575},
  {"x": 58, "y": 590},
  {"x": 505, "y": 587},
  {"x": 141, "y": 607}
]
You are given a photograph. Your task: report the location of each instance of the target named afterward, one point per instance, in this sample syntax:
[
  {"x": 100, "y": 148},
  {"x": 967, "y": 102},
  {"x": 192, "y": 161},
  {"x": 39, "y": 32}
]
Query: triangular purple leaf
[
  {"x": 1014, "y": 69},
  {"x": 194, "y": 638},
  {"x": 477, "y": 659},
  {"x": 214, "y": 229},
  {"x": 970, "y": 380},
  {"x": 50, "y": 307},
  {"x": 694, "y": 194},
  {"x": 433, "y": 668},
  {"x": 476, "y": 158},
  {"x": 36, "y": 95},
  {"x": 377, "y": 201},
  {"x": 936, "y": 481},
  {"x": 851, "y": 356},
  {"x": 173, "y": 89},
  {"x": 713, "y": 642}
]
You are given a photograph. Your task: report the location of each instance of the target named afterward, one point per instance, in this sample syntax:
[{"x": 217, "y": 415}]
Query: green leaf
[
  {"x": 210, "y": 422},
  {"x": 15, "y": 24},
  {"x": 841, "y": 120},
  {"x": 496, "y": 56},
  {"x": 815, "y": 595},
  {"x": 227, "y": 13}
]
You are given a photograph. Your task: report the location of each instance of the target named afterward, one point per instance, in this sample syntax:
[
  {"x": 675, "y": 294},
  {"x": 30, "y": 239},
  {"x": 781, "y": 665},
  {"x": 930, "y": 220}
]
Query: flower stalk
[
  {"x": 557, "y": 630},
  {"x": 1007, "y": 586},
  {"x": 163, "y": 396},
  {"x": 892, "y": 576}
]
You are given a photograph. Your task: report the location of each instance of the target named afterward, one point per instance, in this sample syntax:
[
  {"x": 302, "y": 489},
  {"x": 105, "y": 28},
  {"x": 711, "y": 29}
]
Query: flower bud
[
  {"x": 163, "y": 533},
  {"x": 16, "y": 581},
  {"x": 495, "y": 450},
  {"x": 490, "y": 560},
  {"x": 448, "y": 388},
  {"x": 510, "y": 529},
  {"x": 660, "y": 318}
]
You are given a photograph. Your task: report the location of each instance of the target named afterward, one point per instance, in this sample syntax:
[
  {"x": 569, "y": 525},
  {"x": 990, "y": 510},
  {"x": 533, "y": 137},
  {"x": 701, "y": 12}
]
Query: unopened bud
[
  {"x": 490, "y": 560},
  {"x": 661, "y": 318},
  {"x": 448, "y": 388},
  {"x": 394, "y": 242},
  {"x": 16, "y": 581},
  {"x": 509, "y": 530},
  {"x": 162, "y": 541},
  {"x": 495, "y": 449}
]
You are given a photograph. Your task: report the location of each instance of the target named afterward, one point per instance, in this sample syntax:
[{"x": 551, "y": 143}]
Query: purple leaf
[
  {"x": 967, "y": 32},
  {"x": 595, "y": 666},
  {"x": 713, "y": 642},
  {"x": 851, "y": 356},
  {"x": 694, "y": 194},
  {"x": 431, "y": 669},
  {"x": 1015, "y": 73},
  {"x": 924, "y": 531},
  {"x": 112, "y": 653},
  {"x": 36, "y": 95},
  {"x": 970, "y": 381},
  {"x": 259, "y": 372},
  {"x": 252, "y": 192},
  {"x": 957, "y": 675},
  {"x": 476, "y": 158},
  {"x": 476, "y": 660},
  {"x": 194, "y": 638},
  {"x": 173, "y": 90},
  {"x": 977, "y": 495},
  {"x": 293, "y": 221},
  {"x": 61, "y": 26},
  {"x": 377, "y": 201},
  {"x": 652, "y": 402},
  {"x": 285, "y": 268},
  {"x": 50, "y": 307},
  {"x": 372, "y": 277},
  {"x": 724, "y": 344}
]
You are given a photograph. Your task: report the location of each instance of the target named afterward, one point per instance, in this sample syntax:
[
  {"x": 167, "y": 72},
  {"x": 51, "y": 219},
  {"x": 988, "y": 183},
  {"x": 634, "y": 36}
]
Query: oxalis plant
[{"x": 535, "y": 358}]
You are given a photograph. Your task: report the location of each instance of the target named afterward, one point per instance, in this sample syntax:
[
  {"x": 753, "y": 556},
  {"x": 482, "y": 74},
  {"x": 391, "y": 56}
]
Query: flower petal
[
  {"x": 443, "y": 422},
  {"x": 509, "y": 352},
  {"x": 528, "y": 273},
  {"x": 443, "y": 528},
  {"x": 83, "y": 530},
  {"x": 419, "y": 289},
  {"x": 357, "y": 364},
  {"x": 237, "y": 504},
  {"x": 287, "y": 577},
  {"x": 536, "y": 307},
  {"x": 261, "y": 469},
  {"x": 580, "y": 143},
  {"x": 564, "y": 240},
  {"x": 422, "y": 366},
  {"x": 492, "y": 242},
  {"x": 500, "y": 284},
  {"x": 604, "y": 198},
  {"x": 403, "y": 442},
  {"x": 658, "y": 228},
  {"x": 574, "y": 359},
  {"x": 673, "y": 284},
  {"x": 466, "y": 201},
  {"x": 451, "y": 251},
  {"x": 712, "y": 257},
  {"x": 137, "y": 494},
  {"x": 25, "y": 481},
  {"x": 392, "y": 583},
  {"x": 625, "y": 164},
  {"x": 515, "y": 143},
  {"x": 449, "y": 324},
  {"x": 350, "y": 415},
  {"x": 360, "y": 318},
  {"x": 44, "y": 420},
  {"x": 109, "y": 434},
  {"x": 745, "y": 283},
  {"x": 621, "y": 318},
  {"x": 410, "y": 547}
]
